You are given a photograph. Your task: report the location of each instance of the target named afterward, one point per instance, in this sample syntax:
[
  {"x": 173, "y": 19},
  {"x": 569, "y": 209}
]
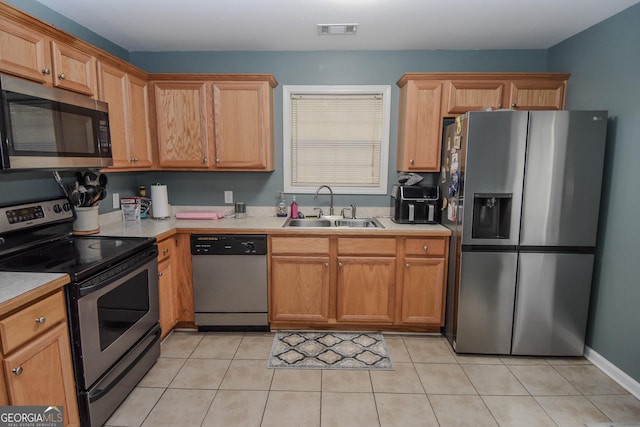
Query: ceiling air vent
[{"x": 337, "y": 29}]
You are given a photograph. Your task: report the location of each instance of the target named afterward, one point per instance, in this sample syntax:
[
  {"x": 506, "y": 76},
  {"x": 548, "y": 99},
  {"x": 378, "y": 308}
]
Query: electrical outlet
[
  {"x": 228, "y": 196},
  {"x": 116, "y": 200}
]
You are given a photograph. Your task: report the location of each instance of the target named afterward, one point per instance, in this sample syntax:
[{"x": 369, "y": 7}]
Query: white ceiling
[{"x": 219, "y": 25}]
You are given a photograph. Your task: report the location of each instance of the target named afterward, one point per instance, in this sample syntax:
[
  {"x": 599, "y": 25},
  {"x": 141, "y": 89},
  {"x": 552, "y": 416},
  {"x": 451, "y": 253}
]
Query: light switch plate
[
  {"x": 116, "y": 200},
  {"x": 228, "y": 196}
]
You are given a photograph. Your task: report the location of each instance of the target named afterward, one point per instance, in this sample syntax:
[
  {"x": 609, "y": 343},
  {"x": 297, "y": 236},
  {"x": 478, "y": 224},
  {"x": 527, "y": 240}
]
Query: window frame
[{"x": 382, "y": 90}]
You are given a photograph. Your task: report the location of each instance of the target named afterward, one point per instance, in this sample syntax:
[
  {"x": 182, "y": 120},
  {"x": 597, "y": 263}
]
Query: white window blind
[{"x": 337, "y": 136}]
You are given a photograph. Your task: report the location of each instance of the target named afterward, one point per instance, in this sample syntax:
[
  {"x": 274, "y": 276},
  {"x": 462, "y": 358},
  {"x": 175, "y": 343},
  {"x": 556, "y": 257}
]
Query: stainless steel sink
[
  {"x": 310, "y": 222},
  {"x": 324, "y": 222},
  {"x": 359, "y": 222}
]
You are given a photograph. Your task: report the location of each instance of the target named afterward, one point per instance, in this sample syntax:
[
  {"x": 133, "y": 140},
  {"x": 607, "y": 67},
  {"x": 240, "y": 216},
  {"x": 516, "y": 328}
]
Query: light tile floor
[{"x": 221, "y": 379}]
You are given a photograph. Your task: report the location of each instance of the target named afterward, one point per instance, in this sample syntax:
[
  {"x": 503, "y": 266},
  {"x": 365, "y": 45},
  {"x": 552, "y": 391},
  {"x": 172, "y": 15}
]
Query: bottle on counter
[
  {"x": 281, "y": 206},
  {"x": 294, "y": 208},
  {"x": 142, "y": 192}
]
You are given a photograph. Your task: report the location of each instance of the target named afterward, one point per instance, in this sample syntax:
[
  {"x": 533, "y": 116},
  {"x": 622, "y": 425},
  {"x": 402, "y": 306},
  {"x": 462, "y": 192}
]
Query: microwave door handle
[{"x": 412, "y": 213}]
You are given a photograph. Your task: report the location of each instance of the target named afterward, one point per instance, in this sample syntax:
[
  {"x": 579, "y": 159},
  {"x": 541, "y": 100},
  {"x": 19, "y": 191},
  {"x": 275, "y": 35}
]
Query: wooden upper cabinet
[
  {"x": 242, "y": 122},
  {"x": 24, "y": 52},
  {"x": 129, "y": 116},
  {"x": 72, "y": 69},
  {"x": 181, "y": 119},
  {"x": 419, "y": 125},
  {"x": 139, "y": 121},
  {"x": 540, "y": 94},
  {"x": 474, "y": 95}
]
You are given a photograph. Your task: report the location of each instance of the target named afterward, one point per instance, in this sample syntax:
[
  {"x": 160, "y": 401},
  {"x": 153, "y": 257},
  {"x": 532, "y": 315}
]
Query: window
[{"x": 338, "y": 136}]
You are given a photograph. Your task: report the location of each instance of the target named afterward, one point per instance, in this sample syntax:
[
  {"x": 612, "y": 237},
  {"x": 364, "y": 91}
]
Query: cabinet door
[
  {"x": 423, "y": 292},
  {"x": 112, "y": 89},
  {"x": 4, "y": 399},
  {"x": 242, "y": 125},
  {"x": 139, "y": 120},
  {"x": 365, "y": 290},
  {"x": 24, "y": 52},
  {"x": 40, "y": 373},
  {"x": 181, "y": 119},
  {"x": 299, "y": 289},
  {"x": 73, "y": 70},
  {"x": 474, "y": 96},
  {"x": 166, "y": 295},
  {"x": 538, "y": 94},
  {"x": 420, "y": 126}
]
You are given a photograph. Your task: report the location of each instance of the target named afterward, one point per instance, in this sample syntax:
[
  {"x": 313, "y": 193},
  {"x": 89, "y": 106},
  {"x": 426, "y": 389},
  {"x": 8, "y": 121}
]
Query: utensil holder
[{"x": 86, "y": 221}]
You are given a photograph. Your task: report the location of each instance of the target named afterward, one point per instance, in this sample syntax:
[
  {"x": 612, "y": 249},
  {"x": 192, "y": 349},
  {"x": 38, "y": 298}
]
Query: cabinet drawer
[
  {"x": 166, "y": 248},
  {"x": 299, "y": 245},
  {"x": 367, "y": 246},
  {"x": 31, "y": 321},
  {"x": 425, "y": 246}
]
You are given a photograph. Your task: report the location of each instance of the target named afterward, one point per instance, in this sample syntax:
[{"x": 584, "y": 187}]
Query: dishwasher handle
[{"x": 228, "y": 244}]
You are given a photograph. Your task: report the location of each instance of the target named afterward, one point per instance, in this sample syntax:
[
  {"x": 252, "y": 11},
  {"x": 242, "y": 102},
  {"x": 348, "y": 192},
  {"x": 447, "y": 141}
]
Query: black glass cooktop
[{"x": 76, "y": 256}]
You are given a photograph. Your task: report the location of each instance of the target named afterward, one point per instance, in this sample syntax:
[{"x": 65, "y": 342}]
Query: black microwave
[{"x": 49, "y": 128}]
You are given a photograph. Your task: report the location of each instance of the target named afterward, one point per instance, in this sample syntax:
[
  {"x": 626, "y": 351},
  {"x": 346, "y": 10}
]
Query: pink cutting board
[{"x": 199, "y": 215}]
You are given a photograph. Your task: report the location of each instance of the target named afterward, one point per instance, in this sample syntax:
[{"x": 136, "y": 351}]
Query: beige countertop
[
  {"x": 17, "y": 289},
  {"x": 265, "y": 225}
]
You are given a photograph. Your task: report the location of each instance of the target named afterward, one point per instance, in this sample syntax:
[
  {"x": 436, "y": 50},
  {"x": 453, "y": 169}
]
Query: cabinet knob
[
  {"x": 514, "y": 105},
  {"x": 411, "y": 161},
  {"x": 326, "y": 264},
  {"x": 165, "y": 251},
  {"x": 17, "y": 370},
  {"x": 160, "y": 273},
  {"x": 407, "y": 265},
  {"x": 61, "y": 76},
  {"x": 205, "y": 160},
  {"x": 46, "y": 71},
  {"x": 217, "y": 160},
  {"x": 40, "y": 320},
  {"x": 339, "y": 265},
  {"x": 426, "y": 248},
  {"x": 500, "y": 105}
]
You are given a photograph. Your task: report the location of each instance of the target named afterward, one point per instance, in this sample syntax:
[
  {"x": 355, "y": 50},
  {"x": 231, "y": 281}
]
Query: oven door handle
[
  {"x": 115, "y": 376},
  {"x": 125, "y": 268}
]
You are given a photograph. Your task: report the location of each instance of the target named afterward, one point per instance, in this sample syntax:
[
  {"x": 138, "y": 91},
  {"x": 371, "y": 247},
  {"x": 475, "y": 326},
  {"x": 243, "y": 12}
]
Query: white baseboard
[{"x": 615, "y": 373}]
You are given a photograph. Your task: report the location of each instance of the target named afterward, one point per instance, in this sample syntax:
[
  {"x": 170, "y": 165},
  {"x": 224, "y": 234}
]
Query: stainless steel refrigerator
[{"x": 522, "y": 193}]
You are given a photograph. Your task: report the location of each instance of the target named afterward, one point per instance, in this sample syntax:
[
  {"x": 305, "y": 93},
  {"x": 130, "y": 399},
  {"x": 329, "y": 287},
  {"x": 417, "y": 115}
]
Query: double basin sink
[{"x": 328, "y": 222}]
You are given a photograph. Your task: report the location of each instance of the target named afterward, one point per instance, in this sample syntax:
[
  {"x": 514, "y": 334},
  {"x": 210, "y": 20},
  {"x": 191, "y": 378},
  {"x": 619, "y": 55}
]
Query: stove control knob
[{"x": 57, "y": 209}]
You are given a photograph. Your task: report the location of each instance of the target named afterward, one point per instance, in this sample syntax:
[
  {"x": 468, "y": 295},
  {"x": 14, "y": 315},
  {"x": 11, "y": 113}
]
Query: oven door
[{"x": 114, "y": 316}]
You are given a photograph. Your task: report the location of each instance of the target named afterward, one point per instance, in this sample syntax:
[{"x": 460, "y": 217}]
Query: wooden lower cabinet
[
  {"x": 423, "y": 291},
  {"x": 301, "y": 290},
  {"x": 39, "y": 371},
  {"x": 167, "y": 286},
  {"x": 423, "y": 281},
  {"x": 365, "y": 289},
  {"x": 357, "y": 282}
]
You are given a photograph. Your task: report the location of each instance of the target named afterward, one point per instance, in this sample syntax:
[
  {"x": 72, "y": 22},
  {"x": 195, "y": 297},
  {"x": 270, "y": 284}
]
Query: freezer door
[
  {"x": 485, "y": 305},
  {"x": 552, "y": 304},
  {"x": 494, "y": 172},
  {"x": 563, "y": 178}
]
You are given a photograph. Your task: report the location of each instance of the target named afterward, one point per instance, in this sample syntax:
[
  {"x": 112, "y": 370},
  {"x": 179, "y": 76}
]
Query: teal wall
[{"x": 604, "y": 63}]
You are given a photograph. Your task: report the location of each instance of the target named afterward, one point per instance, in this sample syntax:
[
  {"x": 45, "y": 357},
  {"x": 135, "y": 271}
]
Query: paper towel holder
[{"x": 159, "y": 201}]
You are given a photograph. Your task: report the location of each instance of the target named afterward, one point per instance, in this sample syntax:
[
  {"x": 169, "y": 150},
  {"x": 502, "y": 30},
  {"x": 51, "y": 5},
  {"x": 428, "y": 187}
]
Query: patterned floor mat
[{"x": 329, "y": 350}]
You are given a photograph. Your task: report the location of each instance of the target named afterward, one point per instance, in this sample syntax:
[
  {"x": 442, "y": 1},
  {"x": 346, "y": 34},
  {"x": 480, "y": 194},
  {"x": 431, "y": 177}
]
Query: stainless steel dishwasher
[{"x": 230, "y": 281}]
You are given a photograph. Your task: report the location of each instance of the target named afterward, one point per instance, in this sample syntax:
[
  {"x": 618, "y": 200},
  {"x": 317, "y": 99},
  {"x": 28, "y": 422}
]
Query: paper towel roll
[{"x": 159, "y": 201}]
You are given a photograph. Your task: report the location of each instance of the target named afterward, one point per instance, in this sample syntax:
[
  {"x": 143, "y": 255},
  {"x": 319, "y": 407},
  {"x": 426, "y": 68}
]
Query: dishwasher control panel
[{"x": 228, "y": 244}]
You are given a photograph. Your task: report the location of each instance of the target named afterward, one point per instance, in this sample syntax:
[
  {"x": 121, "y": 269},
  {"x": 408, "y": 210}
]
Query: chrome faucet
[{"x": 331, "y": 201}]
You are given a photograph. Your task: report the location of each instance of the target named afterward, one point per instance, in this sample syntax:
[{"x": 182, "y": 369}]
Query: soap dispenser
[{"x": 294, "y": 208}]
